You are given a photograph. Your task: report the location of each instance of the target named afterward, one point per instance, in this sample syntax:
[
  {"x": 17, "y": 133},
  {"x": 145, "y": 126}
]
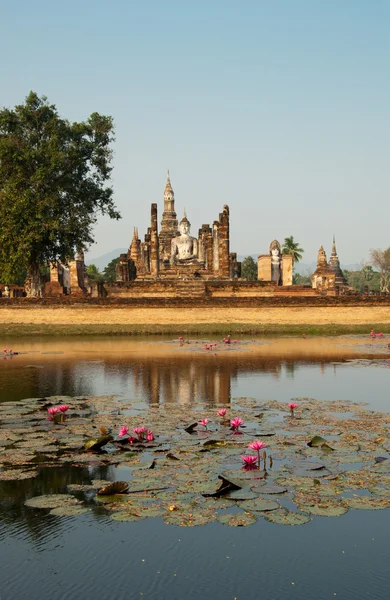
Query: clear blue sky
[{"x": 279, "y": 108}]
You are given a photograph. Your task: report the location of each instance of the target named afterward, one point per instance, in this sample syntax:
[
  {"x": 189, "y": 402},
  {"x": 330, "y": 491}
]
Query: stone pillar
[
  {"x": 154, "y": 246},
  {"x": 122, "y": 269},
  {"x": 215, "y": 262},
  {"x": 287, "y": 269},
  {"x": 54, "y": 272},
  {"x": 264, "y": 271},
  {"x": 234, "y": 266},
  {"x": 224, "y": 268},
  {"x": 54, "y": 287},
  {"x": 76, "y": 275},
  {"x": 209, "y": 250}
]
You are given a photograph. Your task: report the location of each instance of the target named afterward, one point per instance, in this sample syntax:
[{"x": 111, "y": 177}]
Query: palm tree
[{"x": 293, "y": 248}]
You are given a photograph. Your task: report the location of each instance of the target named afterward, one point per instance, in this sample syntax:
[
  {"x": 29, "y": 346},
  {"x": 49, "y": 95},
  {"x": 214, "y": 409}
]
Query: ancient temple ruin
[
  {"x": 173, "y": 253},
  {"x": 329, "y": 276}
]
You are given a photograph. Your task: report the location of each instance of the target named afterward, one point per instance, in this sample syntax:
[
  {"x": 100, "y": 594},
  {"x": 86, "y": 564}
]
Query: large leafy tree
[
  {"x": 54, "y": 181},
  {"x": 249, "y": 269},
  {"x": 290, "y": 246},
  {"x": 381, "y": 260}
]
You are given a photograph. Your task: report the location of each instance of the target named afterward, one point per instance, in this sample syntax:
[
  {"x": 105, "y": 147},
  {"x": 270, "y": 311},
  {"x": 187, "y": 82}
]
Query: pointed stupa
[
  {"x": 169, "y": 223},
  {"x": 321, "y": 258},
  {"x": 334, "y": 265},
  {"x": 168, "y": 192},
  {"x": 134, "y": 249}
]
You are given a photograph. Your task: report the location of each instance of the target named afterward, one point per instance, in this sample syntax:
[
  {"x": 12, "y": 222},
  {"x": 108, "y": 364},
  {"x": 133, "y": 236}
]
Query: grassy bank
[{"x": 235, "y": 329}]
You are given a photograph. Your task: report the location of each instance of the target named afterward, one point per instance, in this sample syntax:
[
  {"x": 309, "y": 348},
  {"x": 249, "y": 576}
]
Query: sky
[{"x": 278, "y": 108}]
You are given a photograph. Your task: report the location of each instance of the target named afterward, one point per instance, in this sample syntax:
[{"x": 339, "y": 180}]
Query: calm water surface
[{"x": 94, "y": 558}]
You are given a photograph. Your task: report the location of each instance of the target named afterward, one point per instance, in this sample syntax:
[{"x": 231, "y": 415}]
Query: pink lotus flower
[
  {"x": 52, "y": 410},
  {"x": 250, "y": 461},
  {"x": 132, "y": 439},
  {"x": 150, "y": 436},
  {"x": 291, "y": 406},
  {"x": 236, "y": 423},
  {"x": 140, "y": 432},
  {"x": 5, "y": 350},
  {"x": 204, "y": 422},
  {"x": 124, "y": 430},
  {"x": 63, "y": 408},
  {"x": 256, "y": 445},
  {"x": 221, "y": 412}
]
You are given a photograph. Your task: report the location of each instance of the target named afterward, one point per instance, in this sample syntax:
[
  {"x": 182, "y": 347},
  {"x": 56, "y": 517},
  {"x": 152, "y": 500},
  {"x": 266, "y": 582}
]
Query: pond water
[{"x": 93, "y": 557}]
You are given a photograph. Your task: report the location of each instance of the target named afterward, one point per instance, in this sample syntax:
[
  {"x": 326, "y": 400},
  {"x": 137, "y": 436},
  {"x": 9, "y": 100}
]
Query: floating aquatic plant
[
  {"x": 257, "y": 445},
  {"x": 250, "y": 461}
]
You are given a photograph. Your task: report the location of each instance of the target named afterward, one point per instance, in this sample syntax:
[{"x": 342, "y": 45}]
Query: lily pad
[
  {"x": 17, "y": 475},
  {"x": 269, "y": 489},
  {"x": 368, "y": 503},
  {"x": 68, "y": 511},
  {"x": 259, "y": 505},
  {"x": 286, "y": 517},
  {"x": 117, "y": 487},
  {"x": 324, "y": 510},
  {"x": 240, "y": 519},
  {"x": 124, "y": 516},
  {"x": 52, "y": 501}
]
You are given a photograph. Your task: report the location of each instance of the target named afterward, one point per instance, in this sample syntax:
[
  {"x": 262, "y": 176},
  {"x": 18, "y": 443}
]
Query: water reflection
[
  {"x": 156, "y": 372},
  {"x": 18, "y": 520},
  {"x": 182, "y": 380}
]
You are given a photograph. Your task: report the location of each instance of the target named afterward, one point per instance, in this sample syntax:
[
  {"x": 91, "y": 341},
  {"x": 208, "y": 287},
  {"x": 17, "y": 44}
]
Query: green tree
[
  {"x": 53, "y": 182},
  {"x": 249, "y": 269},
  {"x": 94, "y": 273},
  {"x": 293, "y": 248},
  {"x": 109, "y": 273},
  {"x": 302, "y": 279}
]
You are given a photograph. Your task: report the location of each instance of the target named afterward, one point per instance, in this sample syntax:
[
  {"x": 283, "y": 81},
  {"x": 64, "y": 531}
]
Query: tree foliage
[
  {"x": 94, "y": 273},
  {"x": 293, "y": 248},
  {"x": 359, "y": 281},
  {"x": 381, "y": 260},
  {"x": 53, "y": 182},
  {"x": 249, "y": 269},
  {"x": 109, "y": 273}
]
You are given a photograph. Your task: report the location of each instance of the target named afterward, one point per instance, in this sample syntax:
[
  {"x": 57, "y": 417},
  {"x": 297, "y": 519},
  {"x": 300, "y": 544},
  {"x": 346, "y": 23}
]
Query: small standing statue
[{"x": 276, "y": 262}]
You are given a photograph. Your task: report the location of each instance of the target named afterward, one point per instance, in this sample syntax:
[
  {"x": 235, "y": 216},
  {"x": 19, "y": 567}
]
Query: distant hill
[{"x": 102, "y": 261}]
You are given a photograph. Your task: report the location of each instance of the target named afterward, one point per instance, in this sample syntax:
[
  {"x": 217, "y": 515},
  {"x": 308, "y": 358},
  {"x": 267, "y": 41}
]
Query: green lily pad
[
  {"x": 191, "y": 517},
  {"x": 259, "y": 505},
  {"x": 241, "y": 519},
  {"x": 17, "y": 475},
  {"x": 286, "y": 517},
  {"x": 68, "y": 511},
  {"x": 269, "y": 489},
  {"x": 51, "y": 501},
  {"x": 116, "y": 487},
  {"x": 244, "y": 494},
  {"x": 317, "y": 441},
  {"x": 380, "y": 491},
  {"x": 124, "y": 516},
  {"x": 368, "y": 503},
  {"x": 323, "y": 510}
]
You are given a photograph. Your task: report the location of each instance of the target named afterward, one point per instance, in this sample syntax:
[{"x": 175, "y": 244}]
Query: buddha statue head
[{"x": 185, "y": 225}]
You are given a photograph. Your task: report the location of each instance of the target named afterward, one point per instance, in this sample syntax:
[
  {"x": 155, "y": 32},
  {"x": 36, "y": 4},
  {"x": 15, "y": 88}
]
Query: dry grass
[{"x": 81, "y": 320}]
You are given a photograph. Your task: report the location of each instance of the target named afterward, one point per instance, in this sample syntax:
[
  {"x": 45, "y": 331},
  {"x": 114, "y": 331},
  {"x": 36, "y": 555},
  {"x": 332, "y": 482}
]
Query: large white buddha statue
[{"x": 184, "y": 247}]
